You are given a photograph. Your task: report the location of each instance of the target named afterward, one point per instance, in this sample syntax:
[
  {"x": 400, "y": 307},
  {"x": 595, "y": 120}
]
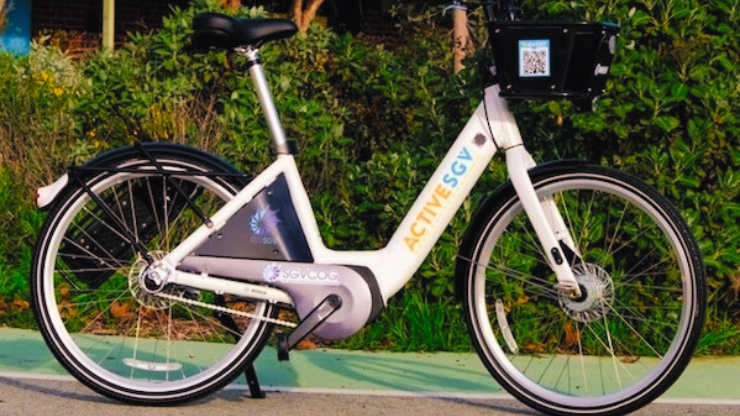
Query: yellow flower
[
  {"x": 44, "y": 76},
  {"x": 58, "y": 91}
]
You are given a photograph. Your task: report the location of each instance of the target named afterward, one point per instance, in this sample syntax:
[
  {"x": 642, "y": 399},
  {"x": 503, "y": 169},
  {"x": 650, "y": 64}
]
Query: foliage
[
  {"x": 670, "y": 116},
  {"x": 38, "y": 93},
  {"x": 372, "y": 125}
]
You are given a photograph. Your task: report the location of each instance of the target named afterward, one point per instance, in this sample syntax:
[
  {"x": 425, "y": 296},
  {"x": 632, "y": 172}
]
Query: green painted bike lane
[{"x": 23, "y": 354}]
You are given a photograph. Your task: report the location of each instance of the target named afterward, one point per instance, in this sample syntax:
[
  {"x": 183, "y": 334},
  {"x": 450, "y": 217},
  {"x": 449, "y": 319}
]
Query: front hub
[{"x": 597, "y": 294}]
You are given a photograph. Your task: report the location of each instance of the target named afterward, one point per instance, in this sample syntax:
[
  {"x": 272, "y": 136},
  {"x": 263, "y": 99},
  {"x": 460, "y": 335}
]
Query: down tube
[{"x": 442, "y": 196}]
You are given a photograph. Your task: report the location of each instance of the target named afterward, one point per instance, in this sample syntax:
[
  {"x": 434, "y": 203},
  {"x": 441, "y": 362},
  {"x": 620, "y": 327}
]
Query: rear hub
[{"x": 144, "y": 283}]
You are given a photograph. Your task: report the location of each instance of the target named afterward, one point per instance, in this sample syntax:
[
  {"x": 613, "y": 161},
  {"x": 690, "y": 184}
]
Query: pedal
[{"x": 316, "y": 317}]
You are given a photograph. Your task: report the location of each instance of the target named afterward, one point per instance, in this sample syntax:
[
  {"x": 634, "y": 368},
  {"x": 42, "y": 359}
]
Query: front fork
[{"x": 554, "y": 236}]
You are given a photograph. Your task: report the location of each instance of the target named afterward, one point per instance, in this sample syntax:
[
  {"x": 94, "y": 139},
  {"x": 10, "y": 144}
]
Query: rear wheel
[
  {"x": 630, "y": 335},
  {"x": 115, "y": 335}
]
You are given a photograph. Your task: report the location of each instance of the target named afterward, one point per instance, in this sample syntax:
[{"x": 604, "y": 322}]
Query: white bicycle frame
[{"x": 490, "y": 128}]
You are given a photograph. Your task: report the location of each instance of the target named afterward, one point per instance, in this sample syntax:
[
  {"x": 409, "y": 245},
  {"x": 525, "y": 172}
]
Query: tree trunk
[
  {"x": 231, "y": 4},
  {"x": 461, "y": 37},
  {"x": 303, "y": 16},
  {"x": 3, "y": 12}
]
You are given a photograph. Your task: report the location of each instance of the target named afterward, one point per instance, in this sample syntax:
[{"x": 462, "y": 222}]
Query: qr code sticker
[{"x": 534, "y": 58}]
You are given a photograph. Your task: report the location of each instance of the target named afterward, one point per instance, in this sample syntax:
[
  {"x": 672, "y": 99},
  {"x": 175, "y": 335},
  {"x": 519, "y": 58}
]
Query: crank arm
[
  {"x": 229, "y": 287},
  {"x": 322, "y": 312},
  {"x": 316, "y": 317}
]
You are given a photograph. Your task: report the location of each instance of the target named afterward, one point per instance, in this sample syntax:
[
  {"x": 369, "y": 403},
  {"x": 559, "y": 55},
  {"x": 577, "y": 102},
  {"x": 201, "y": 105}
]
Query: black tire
[
  {"x": 48, "y": 299},
  {"x": 489, "y": 267}
]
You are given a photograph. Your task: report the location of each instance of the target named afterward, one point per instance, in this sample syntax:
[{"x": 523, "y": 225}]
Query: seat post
[{"x": 265, "y": 97}]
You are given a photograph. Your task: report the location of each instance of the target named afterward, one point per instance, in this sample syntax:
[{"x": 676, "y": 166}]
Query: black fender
[
  {"x": 503, "y": 192},
  {"x": 115, "y": 157}
]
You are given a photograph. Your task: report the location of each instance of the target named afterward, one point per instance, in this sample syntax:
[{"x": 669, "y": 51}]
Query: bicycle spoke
[
  {"x": 625, "y": 259},
  {"x": 133, "y": 212},
  {"x": 609, "y": 350},
  {"x": 616, "y": 229},
  {"x": 154, "y": 209},
  {"x": 544, "y": 285},
  {"x": 97, "y": 244},
  {"x": 120, "y": 328},
  {"x": 165, "y": 200},
  {"x": 87, "y": 251}
]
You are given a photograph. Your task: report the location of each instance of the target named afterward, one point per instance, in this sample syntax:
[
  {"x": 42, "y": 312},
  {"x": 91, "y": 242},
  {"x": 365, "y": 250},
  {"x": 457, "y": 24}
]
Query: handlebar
[
  {"x": 495, "y": 8},
  {"x": 491, "y": 8}
]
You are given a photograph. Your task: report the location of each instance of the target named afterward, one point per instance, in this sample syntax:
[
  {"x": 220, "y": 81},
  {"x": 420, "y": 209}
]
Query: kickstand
[{"x": 254, "y": 385}]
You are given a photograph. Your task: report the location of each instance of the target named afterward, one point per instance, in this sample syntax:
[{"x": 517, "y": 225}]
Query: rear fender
[{"x": 48, "y": 196}]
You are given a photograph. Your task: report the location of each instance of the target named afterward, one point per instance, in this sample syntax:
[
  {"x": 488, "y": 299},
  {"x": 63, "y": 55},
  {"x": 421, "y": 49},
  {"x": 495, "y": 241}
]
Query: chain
[{"x": 226, "y": 310}]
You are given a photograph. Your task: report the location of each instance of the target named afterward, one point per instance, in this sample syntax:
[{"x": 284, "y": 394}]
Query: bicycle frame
[
  {"x": 196, "y": 316},
  {"x": 491, "y": 127}
]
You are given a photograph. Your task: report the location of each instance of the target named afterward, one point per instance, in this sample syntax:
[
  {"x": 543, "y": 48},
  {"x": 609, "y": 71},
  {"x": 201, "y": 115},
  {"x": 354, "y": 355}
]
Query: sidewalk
[{"x": 23, "y": 354}]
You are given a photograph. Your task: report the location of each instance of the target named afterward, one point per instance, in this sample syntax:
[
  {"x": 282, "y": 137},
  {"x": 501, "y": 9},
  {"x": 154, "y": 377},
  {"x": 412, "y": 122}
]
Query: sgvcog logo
[{"x": 303, "y": 275}]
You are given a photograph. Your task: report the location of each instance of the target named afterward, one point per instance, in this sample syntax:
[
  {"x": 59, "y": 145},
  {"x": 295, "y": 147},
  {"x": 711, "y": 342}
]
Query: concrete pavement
[
  {"x": 441, "y": 383},
  {"x": 44, "y": 398}
]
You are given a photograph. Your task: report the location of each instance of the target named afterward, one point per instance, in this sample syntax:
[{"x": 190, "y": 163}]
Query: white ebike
[{"x": 160, "y": 271}]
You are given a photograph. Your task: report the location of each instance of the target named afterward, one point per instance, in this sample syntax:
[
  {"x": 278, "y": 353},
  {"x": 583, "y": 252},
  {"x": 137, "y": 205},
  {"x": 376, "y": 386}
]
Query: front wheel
[{"x": 634, "y": 329}]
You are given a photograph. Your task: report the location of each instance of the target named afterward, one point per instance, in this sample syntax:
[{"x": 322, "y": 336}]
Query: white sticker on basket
[{"x": 534, "y": 58}]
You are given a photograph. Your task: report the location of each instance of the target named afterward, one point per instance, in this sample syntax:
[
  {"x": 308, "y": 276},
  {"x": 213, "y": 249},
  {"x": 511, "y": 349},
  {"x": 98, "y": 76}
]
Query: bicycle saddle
[{"x": 222, "y": 31}]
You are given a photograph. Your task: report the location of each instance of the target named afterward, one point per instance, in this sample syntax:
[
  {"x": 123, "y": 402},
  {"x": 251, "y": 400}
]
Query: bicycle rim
[
  {"x": 624, "y": 336},
  {"x": 111, "y": 330}
]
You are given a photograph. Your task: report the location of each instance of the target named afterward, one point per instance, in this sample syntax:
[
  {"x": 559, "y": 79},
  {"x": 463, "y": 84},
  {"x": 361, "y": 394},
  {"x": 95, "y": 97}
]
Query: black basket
[{"x": 544, "y": 59}]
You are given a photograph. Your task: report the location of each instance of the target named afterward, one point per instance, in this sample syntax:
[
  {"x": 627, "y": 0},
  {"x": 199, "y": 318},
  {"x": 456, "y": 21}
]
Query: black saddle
[{"x": 221, "y": 31}]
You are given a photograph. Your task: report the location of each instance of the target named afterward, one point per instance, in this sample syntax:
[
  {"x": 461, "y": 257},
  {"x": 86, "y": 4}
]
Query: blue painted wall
[{"x": 17, "y": 35}]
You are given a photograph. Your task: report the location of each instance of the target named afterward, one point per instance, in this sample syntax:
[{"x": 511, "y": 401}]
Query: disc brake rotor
[{"x": 597, "y": 294}]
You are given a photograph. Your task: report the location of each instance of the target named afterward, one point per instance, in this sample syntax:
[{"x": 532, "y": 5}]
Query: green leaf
[
  {"x": 667, "y": 123},
  {"x": 640, "y": 18},
  {"x": 679, "y": 91},
  {"x": 690, "y": 181}
]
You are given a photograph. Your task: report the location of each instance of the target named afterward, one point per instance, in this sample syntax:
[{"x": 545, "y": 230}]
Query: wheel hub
[
  {"x": 145, "y": 282},
  {"x": 597, "y": 294}
]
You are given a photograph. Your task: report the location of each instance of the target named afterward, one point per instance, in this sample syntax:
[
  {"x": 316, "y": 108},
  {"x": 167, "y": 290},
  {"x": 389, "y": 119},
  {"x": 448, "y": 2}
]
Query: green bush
[
  {"x": 670, "y": 117},
  {"x": 373, "y": 124}
]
